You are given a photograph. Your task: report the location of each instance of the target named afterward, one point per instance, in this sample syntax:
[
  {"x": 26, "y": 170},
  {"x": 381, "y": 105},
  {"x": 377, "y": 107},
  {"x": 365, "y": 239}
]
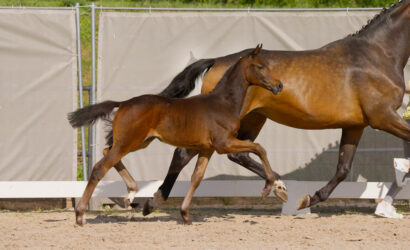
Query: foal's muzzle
[{"x": 276, "y": 89}]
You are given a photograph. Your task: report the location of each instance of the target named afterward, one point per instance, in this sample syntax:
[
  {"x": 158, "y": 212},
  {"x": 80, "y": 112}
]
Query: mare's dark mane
[{"x": 379, "y": 17}]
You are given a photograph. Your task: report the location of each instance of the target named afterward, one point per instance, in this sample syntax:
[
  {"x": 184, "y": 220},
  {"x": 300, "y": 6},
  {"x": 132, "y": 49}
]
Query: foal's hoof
[
  {"x": 185, "y": 218},
  {"x": 187, "y": 222},
  {"x": 280, "y": 190},
  {"x": 304, "y": 202},
  {"x": 79, "y": 219},
  {"x": 130, "y": 197},
  {"x": 282, "y": 194}
]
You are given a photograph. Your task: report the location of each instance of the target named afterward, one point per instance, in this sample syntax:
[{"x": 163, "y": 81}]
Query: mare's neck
[
  {"x": 391, "y": 33},
  {"x": 231, "y": 89}
]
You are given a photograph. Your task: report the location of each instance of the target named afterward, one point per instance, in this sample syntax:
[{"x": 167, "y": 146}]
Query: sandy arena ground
[{"x": 211, "y": 229}]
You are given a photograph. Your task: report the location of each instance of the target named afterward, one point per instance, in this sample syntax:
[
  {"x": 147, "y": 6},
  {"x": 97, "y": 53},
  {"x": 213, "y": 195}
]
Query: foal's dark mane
[
  {"x": 378, "y": 18},
  {"x": 226, "y": 75}
]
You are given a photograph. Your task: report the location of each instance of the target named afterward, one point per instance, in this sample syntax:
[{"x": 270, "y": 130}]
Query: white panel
[
  {"x": 141, "y": 52},
  {"x": 38, "y": 77}
]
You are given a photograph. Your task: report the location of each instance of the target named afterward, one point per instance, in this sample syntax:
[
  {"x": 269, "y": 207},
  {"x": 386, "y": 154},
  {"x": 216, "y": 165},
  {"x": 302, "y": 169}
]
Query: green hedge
[
  {"x": 295, "y": 3},
  {"x": 209, "y": 3}
]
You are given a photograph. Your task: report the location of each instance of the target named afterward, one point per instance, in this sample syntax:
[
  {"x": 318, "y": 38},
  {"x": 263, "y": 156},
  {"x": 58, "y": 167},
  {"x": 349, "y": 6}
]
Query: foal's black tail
[
  {"x": 90, "y": 114},
  {"x": 184, "y": 82}
]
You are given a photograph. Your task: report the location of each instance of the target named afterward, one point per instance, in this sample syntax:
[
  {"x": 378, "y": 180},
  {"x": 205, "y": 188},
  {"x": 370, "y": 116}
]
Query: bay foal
[{"x": 204, "y": 123}]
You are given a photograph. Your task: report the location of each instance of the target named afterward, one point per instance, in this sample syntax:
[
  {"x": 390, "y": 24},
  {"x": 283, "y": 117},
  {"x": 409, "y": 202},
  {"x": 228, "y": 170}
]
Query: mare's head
[{"x": 259, "y": 73}]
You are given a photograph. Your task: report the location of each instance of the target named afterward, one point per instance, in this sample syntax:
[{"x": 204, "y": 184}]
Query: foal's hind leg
[
  {"x": 181, "y": 158},
  {"x": 132, "y": 186},
  {"x": 348, "y": 145},
  {"x": 196, "y": 178},
  {"x": 98, "y": 172}
]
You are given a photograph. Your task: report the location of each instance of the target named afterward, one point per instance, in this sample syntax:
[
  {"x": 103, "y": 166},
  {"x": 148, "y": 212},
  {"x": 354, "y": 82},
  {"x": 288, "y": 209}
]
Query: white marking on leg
[
  {"x": 131, "y": 196},
  {"x": 279, "y": 184}
]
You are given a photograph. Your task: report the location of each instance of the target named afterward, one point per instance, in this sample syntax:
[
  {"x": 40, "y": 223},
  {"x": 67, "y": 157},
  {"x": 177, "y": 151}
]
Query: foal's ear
[{"x": 256, "y": 50}]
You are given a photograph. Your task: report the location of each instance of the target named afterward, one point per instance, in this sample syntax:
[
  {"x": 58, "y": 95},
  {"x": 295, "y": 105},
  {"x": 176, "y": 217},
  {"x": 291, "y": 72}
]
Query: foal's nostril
[{"x": 280, "y": 86}]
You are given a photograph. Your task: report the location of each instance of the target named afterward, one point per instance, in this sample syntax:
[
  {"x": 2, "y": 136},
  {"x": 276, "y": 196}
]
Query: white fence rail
[{"x": 210, "y": 188}]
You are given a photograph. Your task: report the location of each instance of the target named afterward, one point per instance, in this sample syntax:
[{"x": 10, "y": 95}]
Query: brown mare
[
  {"x": 204, "y": 123},
  {"x": 349, "y": 84}
]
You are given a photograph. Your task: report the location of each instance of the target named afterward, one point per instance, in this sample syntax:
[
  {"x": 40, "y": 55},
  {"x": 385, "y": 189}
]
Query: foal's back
[{"x": 190, "y": 122}]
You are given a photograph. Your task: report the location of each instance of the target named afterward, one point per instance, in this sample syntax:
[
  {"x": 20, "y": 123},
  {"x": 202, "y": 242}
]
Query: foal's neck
[{"x": 231, "y": 89}]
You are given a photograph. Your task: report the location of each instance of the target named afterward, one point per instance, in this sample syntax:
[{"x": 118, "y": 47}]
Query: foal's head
[{"x": 258, "y": 72}]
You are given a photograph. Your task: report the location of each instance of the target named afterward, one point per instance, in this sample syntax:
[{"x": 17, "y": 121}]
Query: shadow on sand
[{"x": 202, "y": 215}]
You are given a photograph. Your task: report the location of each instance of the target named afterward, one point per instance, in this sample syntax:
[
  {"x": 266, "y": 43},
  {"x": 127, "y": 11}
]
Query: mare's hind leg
[
  {"x": 348, "y": 144},
  {"x": 196, "y": 178},
  {"x": 98, "y": 172},
  {"x": 181, "y": 158},
  {"x": 132, "y": 186},
  {"x": 392, "y": 123}
]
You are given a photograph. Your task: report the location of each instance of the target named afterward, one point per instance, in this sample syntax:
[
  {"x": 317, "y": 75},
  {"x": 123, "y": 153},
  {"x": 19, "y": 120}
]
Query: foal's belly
[{"x": 182, "y": 134}]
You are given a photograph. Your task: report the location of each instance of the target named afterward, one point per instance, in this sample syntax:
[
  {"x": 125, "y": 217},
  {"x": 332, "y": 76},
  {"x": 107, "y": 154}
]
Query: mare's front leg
[
  {"x": 233, "y": 145},
  {"x": 181, "y": 158},
  {"x": 132, "y": 186},
  {"x": 348, "y": 145},
  {"x": 196, "y": 179}
]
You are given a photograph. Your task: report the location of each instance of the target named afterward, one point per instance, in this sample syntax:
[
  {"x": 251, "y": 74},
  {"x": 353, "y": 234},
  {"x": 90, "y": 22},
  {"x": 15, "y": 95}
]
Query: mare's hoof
[
  {"x": 148, "y": 207},
  {"x": 151, "y": 204},
  {"x": 282, "y": 194},
  {"x": 304, "y": 202}
]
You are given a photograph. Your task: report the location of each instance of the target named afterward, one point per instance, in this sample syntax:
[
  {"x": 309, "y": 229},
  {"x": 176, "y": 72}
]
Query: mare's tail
[
  {"x": 184, "y": 82},
  {"x": 91, "y": 114}
]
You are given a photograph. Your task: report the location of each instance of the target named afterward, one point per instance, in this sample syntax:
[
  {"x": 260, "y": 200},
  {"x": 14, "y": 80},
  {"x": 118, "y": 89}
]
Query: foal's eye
[{"x": 260, "y": 67}]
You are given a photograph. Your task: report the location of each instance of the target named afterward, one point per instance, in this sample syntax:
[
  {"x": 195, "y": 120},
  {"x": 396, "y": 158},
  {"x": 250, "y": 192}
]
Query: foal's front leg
[
  {"x": 196, "y": 178},
  {"x": 233, "y": 145}
]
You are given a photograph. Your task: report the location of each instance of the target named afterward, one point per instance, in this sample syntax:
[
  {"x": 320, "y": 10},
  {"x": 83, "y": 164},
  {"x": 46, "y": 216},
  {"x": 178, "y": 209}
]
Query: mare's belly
[{"x": 318, "y": 112}]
